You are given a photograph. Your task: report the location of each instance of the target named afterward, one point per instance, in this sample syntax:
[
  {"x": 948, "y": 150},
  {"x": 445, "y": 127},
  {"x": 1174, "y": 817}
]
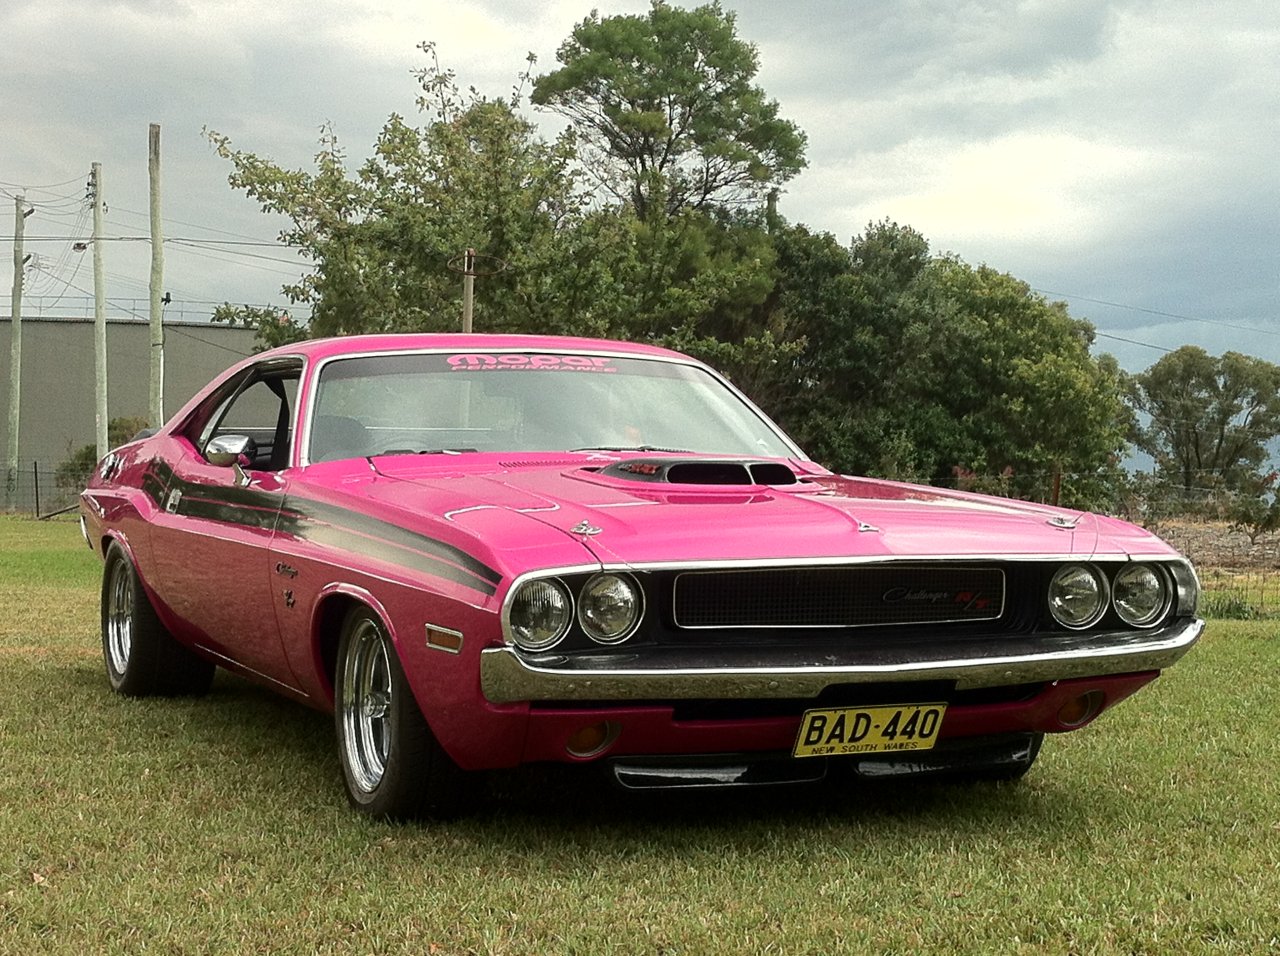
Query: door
[{"x": 211, "y": 542}]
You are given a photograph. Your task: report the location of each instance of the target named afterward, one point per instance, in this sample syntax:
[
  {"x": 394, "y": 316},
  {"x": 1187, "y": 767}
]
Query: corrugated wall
[{"x": 58, "y": 385}]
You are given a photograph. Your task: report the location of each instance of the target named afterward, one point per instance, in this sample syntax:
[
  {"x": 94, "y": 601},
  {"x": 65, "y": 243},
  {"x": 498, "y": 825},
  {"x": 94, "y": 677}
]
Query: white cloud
[{"x": 1024, "y": 186}]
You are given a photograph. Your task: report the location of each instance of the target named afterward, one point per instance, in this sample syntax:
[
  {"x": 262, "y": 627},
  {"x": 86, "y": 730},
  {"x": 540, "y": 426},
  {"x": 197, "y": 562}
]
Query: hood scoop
[{"x": 701, "y": 471}]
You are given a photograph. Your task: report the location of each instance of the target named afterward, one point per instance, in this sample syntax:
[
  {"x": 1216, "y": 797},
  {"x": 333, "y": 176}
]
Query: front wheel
[
  {"x": 392, "y": 764},
  {"x": 141, "y": 657}
]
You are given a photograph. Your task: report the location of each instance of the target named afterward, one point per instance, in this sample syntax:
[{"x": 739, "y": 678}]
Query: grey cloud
[{"x": 1189, "y": 89}]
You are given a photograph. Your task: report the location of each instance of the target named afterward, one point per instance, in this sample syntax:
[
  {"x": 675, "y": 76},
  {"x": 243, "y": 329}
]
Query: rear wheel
[
  {"x": 141, "y": 657},
  {"x": 392, "y": 764}
]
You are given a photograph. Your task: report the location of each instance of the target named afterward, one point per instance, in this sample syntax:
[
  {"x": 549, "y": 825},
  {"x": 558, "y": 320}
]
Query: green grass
[{"x": 219, "y": 826}]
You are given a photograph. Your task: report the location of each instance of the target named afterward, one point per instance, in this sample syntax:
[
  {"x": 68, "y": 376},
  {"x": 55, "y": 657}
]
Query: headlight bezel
[
  {"x": 1104, "y": 595},
  {"x": 1162, "y": 608},
  {"x": 575, "y": 637},
  {"x": 519, "y": 592},
  {"x": 637, "y": 614}
]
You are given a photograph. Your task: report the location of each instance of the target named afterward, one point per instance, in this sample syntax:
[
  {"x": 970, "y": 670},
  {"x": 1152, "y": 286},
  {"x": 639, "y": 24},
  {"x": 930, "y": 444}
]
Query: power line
[
  {"x": 69, "y": 182},
  {"x": 193, "y": 241},
  {"x": 179, "y": 330},
  {"x": 1121, "y": 338},
  {"x": 119, "y": 304},
  {"x": 1166, "y": 315},
  {"x": 213, "y": 256},
  {"x": 193, "y": 225},
  {"x": 201, "y": 244}
]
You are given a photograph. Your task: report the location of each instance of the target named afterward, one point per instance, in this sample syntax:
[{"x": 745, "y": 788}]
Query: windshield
[{"x": 524, "y": 401}]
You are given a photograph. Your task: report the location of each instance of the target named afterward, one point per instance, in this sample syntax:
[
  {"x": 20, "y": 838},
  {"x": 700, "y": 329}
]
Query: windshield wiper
[
  {"x": 679, "y": 451},
  {"x": 423, "y": 451}
]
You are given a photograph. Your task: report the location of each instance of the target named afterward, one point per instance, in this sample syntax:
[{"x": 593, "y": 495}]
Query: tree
[
  {"x": 1014, "y": 370},
  {"x": 73, "y": 473},
  {"x": 878, "y": 357},
  {"x": 923, "y": 367},
  {"x": 381, "y": 239},
  {"x": 856, "y": 310},
  {"x": 273, "y": 326},
  {"x": 1250, "y": 512},
  {"x": 1209, "y": 419},
  {"x": 666, "y": 101}
]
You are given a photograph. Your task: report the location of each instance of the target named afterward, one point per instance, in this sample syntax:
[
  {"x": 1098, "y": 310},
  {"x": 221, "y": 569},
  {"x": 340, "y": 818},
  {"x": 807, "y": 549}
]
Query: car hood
[{"x": 514, "y": 502}]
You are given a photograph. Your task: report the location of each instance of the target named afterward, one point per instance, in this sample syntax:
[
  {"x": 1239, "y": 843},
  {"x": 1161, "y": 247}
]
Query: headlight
[
  {"x": 1077, "y": 596},
  {"x": 540, "y": 614},
  {"x": 1142, "y": 594},
  {"x": 609, "y": 607}
]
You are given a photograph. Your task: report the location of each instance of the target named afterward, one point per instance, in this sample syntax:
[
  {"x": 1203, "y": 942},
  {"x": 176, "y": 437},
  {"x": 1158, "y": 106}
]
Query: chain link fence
[
  {"x": 1239, "y": 574},
  {"x": 36, "y": 489}
]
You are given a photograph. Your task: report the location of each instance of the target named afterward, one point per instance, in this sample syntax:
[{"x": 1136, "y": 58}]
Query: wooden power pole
[
  {"x": 468, "y": 289},
  {"x": 15, "y": 354},
  {"x": 156, "y": 406},
  {"x": 99, "y": 317}
]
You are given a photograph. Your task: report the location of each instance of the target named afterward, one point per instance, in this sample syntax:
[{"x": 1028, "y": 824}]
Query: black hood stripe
[
  {"x": 335, "y": 537},
  {"x": 319, "y": 523},
  {"x": 392, "y": 533}
]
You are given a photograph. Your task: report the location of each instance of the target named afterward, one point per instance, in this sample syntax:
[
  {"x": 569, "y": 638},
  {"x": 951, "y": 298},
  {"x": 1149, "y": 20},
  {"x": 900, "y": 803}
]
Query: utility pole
[
  {"x": 468, "y": 289},
  {"x": 156, "y": 407},
  {"x": 15, "y": 354},
  {"x": 99, "y": 316}
]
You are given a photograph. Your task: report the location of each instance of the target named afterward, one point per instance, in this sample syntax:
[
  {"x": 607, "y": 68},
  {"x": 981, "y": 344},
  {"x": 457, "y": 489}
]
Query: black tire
[
  {"x": 392, "y": 764},
  {"x": 141, "y": 657}
]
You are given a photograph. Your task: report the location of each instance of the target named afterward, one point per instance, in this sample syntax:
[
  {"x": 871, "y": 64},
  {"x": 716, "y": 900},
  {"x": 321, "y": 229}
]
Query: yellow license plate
[{"x": 868, "y": 730}]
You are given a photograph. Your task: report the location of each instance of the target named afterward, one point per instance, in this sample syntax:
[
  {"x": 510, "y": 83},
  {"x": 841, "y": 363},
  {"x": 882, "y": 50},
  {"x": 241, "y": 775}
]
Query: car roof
[{"x": 456, "y": 341}]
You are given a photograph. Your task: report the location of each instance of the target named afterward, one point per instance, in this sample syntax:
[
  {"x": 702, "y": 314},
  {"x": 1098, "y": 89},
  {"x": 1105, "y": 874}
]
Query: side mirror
[{"x": 226, "y": 450}]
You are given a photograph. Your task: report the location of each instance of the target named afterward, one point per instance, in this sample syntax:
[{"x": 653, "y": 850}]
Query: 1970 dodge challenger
[{"x": 482, "y": 551}]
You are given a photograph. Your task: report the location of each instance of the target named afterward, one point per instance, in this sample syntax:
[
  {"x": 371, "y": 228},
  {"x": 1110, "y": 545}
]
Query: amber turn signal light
[
  {"x": 1080, "y": 710},
  {"x": 592, "y": 739}
]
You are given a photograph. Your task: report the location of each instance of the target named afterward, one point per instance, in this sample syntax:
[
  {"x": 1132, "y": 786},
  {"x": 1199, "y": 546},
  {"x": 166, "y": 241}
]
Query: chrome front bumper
[{"x": 670, "y": 673}]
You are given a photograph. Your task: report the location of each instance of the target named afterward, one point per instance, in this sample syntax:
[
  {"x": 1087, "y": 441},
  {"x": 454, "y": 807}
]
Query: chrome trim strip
[
  {"x": 781, "y": 563},
  {"x": 235, "y": 665},
  {"x": 505, "y": 676},
  {"x": 740, "y": 770},
  {"x": 675, "y": 587}
]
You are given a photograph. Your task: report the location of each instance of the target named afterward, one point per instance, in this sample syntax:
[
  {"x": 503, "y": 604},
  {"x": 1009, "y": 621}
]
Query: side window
[{"x": 264, "y": 411}]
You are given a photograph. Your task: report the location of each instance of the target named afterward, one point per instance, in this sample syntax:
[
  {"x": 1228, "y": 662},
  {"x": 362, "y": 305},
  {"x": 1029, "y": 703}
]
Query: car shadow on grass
[{"x": 277, "y": 751}]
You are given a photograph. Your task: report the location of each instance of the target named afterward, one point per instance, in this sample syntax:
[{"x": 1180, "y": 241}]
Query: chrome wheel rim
[
  {"x": 119, "y": 617},
  {"x": 366, "y": 707}
]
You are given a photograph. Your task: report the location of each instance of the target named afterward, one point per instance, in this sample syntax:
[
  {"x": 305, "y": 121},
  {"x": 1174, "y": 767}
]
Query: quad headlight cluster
[
  {"x": 1080, "y": 594},
  {"x": 608, "y": 608}
]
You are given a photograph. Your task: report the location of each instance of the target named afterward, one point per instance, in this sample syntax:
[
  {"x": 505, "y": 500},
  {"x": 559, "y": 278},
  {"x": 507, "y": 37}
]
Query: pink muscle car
[{"x": 482, "y": 551}]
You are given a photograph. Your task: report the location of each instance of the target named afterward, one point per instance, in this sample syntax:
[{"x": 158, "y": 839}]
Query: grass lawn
[{"x": 219, "y": 825}]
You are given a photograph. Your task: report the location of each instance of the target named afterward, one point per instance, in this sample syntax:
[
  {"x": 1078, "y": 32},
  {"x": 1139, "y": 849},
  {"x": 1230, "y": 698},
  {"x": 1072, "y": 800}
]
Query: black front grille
[{"x": 852, "y": 596}]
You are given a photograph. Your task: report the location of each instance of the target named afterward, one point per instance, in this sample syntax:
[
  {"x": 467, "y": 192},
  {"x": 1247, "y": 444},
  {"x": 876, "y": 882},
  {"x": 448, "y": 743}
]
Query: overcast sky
[{"x": 1122, "y": 156}]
